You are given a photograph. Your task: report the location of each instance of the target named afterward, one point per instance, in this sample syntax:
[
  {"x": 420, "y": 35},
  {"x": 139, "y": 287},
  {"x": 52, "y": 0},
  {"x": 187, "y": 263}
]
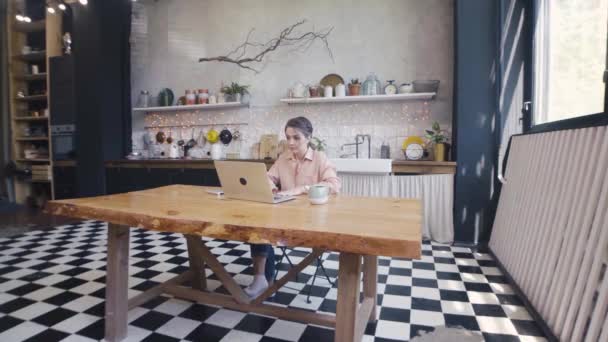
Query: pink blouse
[{"x": 289, "y": 173}]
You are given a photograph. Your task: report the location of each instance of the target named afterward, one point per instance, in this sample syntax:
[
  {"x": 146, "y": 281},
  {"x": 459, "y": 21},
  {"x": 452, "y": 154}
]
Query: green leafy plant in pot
[
  {"x": 354, "y": 87},
  {"x": 438, "y": 137},
  {"x": 318, "y": 144},
  {"x": 235, "y": 91}
]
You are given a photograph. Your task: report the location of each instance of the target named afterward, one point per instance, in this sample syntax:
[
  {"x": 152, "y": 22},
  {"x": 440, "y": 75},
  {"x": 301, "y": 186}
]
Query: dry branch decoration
[{"x": 287, "y": 38}]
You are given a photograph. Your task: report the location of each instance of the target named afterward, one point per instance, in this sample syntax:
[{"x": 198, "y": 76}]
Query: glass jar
[
  {"x": 144, "y": 99},
  {"x": 371, "y": 86}
]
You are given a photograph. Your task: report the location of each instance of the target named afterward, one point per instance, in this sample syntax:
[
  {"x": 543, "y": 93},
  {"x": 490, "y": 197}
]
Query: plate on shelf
[
  {"x": 165, "y": 97},
  {"x": 413, "y": 148},
  {"x": 332, "y": 80}
]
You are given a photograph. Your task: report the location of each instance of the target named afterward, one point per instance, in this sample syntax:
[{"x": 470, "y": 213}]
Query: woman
[{"x": 293, "y": 173}]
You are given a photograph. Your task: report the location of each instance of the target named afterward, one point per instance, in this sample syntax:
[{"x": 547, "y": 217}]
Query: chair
[{"x": 319, "y": 263}]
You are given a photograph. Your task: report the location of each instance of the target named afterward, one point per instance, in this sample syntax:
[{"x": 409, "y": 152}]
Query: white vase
[
  {"x": 216, "y": 151},
  {"x": 328, "y": 91},
  {"x": 340, "y": 90}
]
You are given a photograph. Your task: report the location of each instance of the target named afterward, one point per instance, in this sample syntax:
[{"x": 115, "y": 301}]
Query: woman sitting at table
[{"x": 293, "y": 173}]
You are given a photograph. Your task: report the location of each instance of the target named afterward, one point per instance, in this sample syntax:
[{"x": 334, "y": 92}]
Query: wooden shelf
[
  {"x": 32, "y": 57},
  {"x": 33, "y": 77},
  {"x": 361, "y": 98},
  {"x": 36, "y": 26},
  {"x": 31, "y": 118},
  {"x": 190, "y": 107},
  {"x": 46, "y": 30},
  {"x": 31, "y": 98},
  {"x": 32, "y": 139},
  {"x": 38, "y": 181},
  {"x": 23, "y": 160}
]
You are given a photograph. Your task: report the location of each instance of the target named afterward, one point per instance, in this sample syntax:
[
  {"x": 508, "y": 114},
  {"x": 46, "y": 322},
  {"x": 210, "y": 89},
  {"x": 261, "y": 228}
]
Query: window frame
[{"x": 582, "y": 121}]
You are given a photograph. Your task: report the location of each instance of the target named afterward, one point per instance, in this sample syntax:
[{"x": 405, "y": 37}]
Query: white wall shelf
[
  {"x": 190, "y": 107},
  {"x": 362, "y": 98}
]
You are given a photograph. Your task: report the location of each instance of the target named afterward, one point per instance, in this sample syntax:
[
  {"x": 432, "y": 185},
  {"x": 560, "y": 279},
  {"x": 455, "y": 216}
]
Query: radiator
[
  {"x": 551, "y": 228},
  {"x": 435, "y": 191}
]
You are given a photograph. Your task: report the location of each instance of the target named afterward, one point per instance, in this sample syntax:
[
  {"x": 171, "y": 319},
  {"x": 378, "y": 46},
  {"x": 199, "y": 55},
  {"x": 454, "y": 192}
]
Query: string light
[
  {"x": 336, "y": 123},
  {"x": 62, "y": 6},
  {"x": 83, "y": 2},
  {"x": 19, "y": 17},
  {"x": 50, "y": 9}
]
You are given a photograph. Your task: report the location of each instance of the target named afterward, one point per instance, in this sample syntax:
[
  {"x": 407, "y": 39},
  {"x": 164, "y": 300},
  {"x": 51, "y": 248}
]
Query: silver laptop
[{"x": 247, "y": 181}]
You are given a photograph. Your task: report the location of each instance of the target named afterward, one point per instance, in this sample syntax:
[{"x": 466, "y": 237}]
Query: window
[{"x": 569, "y": 57}]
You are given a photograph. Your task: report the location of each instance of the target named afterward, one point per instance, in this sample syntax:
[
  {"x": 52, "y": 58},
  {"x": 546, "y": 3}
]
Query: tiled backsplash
[
  {"x": 403, "y": 40},
  {"x": 337, "y": 124}
]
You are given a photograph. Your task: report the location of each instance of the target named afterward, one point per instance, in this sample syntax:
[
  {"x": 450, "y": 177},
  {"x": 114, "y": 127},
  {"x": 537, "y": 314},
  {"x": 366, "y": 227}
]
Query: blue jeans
[{"x": 268, "y": 252}]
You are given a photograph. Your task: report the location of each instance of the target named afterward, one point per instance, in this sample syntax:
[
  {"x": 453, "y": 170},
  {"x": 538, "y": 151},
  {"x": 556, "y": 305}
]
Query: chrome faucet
[
  {"x": 369, "y": 144},
  {"x": 357, "y": 143}
]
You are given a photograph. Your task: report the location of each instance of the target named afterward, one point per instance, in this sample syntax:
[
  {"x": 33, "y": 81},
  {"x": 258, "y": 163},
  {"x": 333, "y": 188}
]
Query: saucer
[{"x": 319, "y": 200}]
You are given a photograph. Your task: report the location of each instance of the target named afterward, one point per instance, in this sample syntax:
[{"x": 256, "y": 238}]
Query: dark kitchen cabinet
[
  {"x": 65, "y": 182},
  {"x": 124, "y": 179}
]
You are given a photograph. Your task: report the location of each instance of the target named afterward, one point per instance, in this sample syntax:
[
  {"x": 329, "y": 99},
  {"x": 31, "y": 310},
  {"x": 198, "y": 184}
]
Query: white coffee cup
[{"x": 318, "y": 194}]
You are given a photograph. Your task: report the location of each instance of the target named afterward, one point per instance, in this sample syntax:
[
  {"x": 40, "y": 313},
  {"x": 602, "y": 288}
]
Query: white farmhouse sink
[{"x": 362, "y": 166}]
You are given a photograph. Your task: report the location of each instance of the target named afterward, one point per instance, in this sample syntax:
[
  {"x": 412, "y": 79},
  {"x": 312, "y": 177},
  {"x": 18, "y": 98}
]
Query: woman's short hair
[{"x": 302, "y": 124}]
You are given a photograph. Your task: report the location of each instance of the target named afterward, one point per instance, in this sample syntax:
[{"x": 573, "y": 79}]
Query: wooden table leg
[
  {"x": 348, "y": 296},
  {"x": 370, "y": 282},
  {"x": 117, "y": 283},
  {"x": 197, "y": 265}
]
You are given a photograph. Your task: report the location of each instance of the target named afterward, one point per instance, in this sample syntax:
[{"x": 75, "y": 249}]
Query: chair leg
[
  {"x": 283, "y": 256},
  {"x": 325, "y": 273},
  {"x": 314, "y": 277}
]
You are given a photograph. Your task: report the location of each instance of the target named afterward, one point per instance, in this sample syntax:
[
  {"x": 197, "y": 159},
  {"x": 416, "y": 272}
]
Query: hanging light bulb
[
  {"x": 27, "y": 19},
  {"x": 62, "y": 7},
  {"x": 83, "y": 2},
  {"x": 19, "y": 17},
  {"x": 50, "y": 9}
]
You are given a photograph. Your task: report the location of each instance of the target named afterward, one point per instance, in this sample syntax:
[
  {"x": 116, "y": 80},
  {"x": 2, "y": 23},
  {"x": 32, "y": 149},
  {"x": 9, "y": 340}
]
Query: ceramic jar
[{"x": 340, "y": 90}]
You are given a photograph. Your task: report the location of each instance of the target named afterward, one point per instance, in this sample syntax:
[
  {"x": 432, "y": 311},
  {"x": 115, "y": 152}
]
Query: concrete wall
[{"x": 402, "y": 40}]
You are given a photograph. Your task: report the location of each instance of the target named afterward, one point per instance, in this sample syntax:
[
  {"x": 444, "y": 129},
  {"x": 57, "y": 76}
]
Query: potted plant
[
  {"x": 438, "y": 137},
  {"x": 318, "y": 144},
  {"x": 234, "y": 92},
  {"x": 354, "y": 87}
]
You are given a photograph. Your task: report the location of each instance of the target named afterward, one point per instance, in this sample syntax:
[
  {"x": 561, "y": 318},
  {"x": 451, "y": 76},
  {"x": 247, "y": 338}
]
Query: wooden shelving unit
[
  {"x": 30, "y": 118},
  {"x": 32, "y": 77},
  {"x": 44, "y": 37},
  {"x": 32, "y": 98}
]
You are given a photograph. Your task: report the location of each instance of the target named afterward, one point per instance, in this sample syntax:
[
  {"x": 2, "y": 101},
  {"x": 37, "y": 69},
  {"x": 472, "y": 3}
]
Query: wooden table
[{"x": 359, "y": 228}]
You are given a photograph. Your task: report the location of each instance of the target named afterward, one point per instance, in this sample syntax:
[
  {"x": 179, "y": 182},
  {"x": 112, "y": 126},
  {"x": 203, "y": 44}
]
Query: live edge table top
[{"x": 360, "y": 225}]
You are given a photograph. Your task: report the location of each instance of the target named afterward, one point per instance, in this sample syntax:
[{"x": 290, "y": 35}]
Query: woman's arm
[
  {"x": 273, "y": 176},
  {"x": 328, "y": 176}
]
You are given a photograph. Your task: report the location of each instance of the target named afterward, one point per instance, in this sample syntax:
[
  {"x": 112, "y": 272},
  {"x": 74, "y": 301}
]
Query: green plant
[
  {"x": 235, "y": 88},
  {"x": 436, "y": 135},
  {"x": 354, "y": 81},
  {"x": 318, "y": 144}
]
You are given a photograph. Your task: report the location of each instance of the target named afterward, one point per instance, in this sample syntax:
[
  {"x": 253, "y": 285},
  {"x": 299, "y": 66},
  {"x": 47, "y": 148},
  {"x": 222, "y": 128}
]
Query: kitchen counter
[{"x": 398, "y": 166}]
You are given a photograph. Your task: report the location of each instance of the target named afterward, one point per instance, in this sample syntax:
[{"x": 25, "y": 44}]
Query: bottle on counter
[
  {"x": 203, "y": 96},
  {"x": 385, "y": 151},
  {"x": 190, "y": 97}
]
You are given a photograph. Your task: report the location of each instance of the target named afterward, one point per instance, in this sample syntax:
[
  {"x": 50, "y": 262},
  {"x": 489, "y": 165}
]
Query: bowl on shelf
[{"x": 426, "y": 86}]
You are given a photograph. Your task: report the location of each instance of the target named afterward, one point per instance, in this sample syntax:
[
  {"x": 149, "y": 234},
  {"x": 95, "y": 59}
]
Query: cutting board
[{"x": 268, "y": 146}]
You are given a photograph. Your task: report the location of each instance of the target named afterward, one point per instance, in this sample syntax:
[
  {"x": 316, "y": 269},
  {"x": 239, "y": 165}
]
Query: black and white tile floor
[{"x": 52, "y": 289}]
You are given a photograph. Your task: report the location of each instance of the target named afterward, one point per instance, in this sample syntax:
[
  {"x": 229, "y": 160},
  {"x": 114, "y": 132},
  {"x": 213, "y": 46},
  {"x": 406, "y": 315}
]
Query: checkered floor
[{"x": 52, "y": 289}]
